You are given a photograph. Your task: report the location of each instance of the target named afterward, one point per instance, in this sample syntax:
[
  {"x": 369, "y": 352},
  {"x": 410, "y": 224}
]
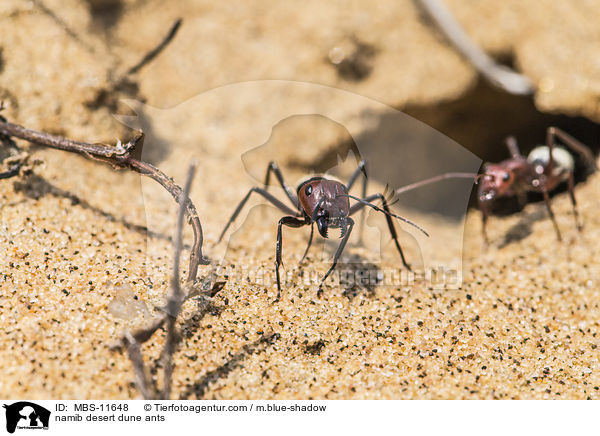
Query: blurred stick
[
  {"x": 175, "y": 298},
  {"x": 156, "y": 50},
  {"x": 133, "y": 341},
  {"x": 62, "y": 24},
  {"x": 498, "y": 75},
  {"x": 123, "y": 82},
  {"x": 135, "y": 355}
]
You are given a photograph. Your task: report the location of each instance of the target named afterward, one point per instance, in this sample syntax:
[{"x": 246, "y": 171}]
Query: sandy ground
[{"x": 78, "y": 266}]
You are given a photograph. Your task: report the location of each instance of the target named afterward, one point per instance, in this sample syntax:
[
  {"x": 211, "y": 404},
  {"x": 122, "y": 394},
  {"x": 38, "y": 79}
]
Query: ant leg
[
  {"x": 388, "y": 218},
  {"x": 274, "y": 168},
  {"x": 361, "y": 168},
  {"x": 312, "y": 231},
  {"x": 513, "y": 147},
  {"x": 484, "y": 218},
  {"x": 338, "y": 253},
  {"x": 266, "y": 195},
  {"x": 547, "y": 201},
  {"x": 570, "y": 184},
  {"x": 290, "y": 221},
  {"x": 554, "y": 132}
]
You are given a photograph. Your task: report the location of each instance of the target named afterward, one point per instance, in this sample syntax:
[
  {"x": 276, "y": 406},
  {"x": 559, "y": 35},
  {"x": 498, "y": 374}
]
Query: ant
[
  {"x": 326, "y": 202},
  {"x": 541, "y": 171}
]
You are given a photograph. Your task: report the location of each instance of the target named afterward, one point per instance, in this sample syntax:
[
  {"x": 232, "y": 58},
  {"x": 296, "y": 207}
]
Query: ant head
[
  {"x": 496, "y": 181},
  {"x": 325, "y": 202}
]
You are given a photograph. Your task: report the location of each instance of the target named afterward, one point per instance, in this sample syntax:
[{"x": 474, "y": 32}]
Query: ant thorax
[{"x": 540, "y": 157}]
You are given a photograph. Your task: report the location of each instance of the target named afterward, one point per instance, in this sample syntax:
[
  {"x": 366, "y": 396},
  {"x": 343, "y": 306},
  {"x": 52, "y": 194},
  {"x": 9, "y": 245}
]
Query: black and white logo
[{"x": 26, "y": 415}]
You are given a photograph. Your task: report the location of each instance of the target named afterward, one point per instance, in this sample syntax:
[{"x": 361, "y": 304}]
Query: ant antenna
[
  {"x": 393, "y": 199},
  {"x": 444, "y": 176},
  {"x": 378, "y": 209}
]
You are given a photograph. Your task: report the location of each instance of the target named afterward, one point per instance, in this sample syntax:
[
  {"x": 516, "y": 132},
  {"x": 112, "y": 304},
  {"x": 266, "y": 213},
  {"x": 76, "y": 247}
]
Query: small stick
[
  {"x": 135, "y": 355},
  {"x": 498, "y": 75},
  {"x": 145, "y": 334},
  {"x": 176, "y": 297},
  {"x": 62, "y": 24},
  {"x": 120, "y": 157},
  {"x": 156, "y": 51}
]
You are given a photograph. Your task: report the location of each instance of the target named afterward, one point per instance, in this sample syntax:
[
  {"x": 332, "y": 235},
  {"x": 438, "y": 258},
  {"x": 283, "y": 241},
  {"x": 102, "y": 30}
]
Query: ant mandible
[
  {"x": 326, "y": 202},
  {"x": 541, "y": 171}
]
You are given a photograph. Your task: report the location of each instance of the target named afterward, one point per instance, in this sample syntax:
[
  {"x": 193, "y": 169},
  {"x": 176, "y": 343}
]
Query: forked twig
[
  {"x": 132, "y": 341},
  {"x": 176, "y": 297},
  {"x": 120, "y": 156}
]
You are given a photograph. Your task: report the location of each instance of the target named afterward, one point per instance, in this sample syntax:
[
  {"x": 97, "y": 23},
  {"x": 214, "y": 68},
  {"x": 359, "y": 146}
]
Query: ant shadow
[
  {"x": 199, "y": 388},
  {"x": 523, "y": 228},
  {"x": 358, "y": 276}
]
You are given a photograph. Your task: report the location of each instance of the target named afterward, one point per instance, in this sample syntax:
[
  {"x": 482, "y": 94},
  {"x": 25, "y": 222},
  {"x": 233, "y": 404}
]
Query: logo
[{"x": 26, "y": 415}]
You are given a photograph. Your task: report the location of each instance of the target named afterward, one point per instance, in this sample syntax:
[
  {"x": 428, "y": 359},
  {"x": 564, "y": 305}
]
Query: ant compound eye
[
  {"x": 308, "y": 190},
  {"x": 506, "y": 177}
]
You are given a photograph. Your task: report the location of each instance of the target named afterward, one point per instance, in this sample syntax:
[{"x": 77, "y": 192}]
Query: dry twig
[
  {"x": 172, "y": 309},
  {"x": 132, "y": 341},
  {"x": 134, "y": 352},
  {"x": 124, "y": 83},
  {"x": 175, "y": 298},
  {"x": 156, "y": 50},
  {"x": 120, "y": 156}
]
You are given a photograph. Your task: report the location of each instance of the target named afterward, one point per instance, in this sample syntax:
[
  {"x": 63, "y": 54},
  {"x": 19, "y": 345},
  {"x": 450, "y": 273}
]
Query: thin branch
[
  {"x": 498, "y": 75},
  {"x": 156, "y": 51},
  {"x": 135, "y": 355},
  {"x": 144, "y": 334},
  {"x": 120, "y": 157},
  {"x": 175, "y": 298},
  {"x": 123, "y": 82},
  {"x": 62, "y": 24}
]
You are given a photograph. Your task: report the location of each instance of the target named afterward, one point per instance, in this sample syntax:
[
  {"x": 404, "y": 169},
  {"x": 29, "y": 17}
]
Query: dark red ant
[
  {"x": 541, "y": 171},
  {"x": 326, "y": 202}
]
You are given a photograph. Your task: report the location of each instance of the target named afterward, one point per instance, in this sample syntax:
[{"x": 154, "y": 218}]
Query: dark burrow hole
[
  {"x": 479, "y": 121},
  {"x": 482, "y": 119}
]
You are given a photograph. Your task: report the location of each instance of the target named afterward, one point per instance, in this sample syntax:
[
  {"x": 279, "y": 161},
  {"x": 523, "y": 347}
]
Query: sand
[{"x": 522, "y": 325}]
